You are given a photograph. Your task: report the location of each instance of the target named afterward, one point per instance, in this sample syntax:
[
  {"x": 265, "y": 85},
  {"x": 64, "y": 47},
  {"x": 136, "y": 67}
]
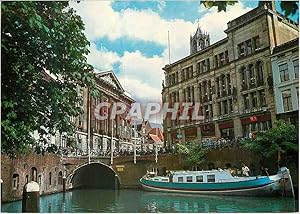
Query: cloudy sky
[{"x": 131, "y": 37}]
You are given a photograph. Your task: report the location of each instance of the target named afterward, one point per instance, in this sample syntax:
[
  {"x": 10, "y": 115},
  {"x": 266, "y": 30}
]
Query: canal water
[{"x": 98, "y": 200}]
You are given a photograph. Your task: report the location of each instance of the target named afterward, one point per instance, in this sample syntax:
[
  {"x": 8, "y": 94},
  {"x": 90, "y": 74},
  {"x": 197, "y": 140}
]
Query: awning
[{"x": 155, "y": 138}]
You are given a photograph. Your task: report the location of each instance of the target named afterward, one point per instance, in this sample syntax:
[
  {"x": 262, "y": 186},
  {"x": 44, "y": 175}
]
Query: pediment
[{"x": 110, "y": 78}]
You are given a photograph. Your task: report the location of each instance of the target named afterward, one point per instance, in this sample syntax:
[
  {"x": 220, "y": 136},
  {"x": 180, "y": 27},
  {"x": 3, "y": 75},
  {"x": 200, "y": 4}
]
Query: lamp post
[
  {"x": 112, "y": 143},
  {"x": 89, "y": 127},
  {"x": 134, "y": 146}
]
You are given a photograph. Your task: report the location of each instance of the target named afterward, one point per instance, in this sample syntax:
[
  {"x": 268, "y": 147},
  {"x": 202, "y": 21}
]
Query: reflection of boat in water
[
  {"x": 220, "y": 182},
  {"x": 178, "y": 202}
]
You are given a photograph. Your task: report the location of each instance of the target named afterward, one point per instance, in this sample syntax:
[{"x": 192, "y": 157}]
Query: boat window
[
  {"x": 180, "y": 179},
  {"x": 199, "y": 178},
  {"x": 211, "y": 178},
  {"x": 165, "y": 179},
  {"x": 156, "y": 179},
  {"x": 189, "y": 179}
]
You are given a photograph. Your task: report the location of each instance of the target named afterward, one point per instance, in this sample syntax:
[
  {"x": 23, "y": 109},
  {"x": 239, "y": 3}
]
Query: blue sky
[{"x": 130, "y": 37}]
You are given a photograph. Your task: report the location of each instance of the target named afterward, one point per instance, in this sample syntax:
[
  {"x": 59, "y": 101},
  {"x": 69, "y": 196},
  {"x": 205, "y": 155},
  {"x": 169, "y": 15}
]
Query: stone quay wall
[{"x": 47, "y": 169}]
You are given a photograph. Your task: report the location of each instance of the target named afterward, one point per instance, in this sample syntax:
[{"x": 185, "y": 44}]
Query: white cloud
[
  {"x": 102, "y": 59},
  {"x": 141, "y": 75},
  {"x": 216, "y": 22},
  {"x": 141, "y": 91}
]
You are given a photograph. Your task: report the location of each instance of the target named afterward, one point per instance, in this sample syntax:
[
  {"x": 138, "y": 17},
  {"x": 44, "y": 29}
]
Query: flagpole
[{"x": 169, "y": 48}]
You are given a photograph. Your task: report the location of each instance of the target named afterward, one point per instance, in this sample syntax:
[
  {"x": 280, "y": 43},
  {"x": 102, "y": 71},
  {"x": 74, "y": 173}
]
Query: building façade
[
  {"x": 285, "y": 67},
  {"x": 232, "y": 78}
]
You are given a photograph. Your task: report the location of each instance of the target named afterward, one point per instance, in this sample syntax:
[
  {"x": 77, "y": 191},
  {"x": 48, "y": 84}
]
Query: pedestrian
[
  {"x": 245, "y": 170},
  {"x": 264, "y": 171}
]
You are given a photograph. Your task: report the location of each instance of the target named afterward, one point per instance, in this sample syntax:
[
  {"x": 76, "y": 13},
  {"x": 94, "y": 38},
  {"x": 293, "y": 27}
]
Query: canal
[{"x": 100, "y": 200}]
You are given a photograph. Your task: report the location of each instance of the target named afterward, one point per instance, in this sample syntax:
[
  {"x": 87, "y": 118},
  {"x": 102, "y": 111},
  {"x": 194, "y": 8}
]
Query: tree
[
  {"x": 288, "y": 7},
  {"x": 192, "y": 153},
  {"x": 40, "y": 38},
  {"x": 282, "y": 139}
]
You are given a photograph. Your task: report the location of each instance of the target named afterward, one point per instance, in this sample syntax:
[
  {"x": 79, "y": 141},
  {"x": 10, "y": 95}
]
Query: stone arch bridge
[{"x": 123, "y": 173}]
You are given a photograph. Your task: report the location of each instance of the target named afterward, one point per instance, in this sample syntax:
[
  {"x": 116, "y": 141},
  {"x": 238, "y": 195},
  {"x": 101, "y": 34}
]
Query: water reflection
[
  {"x": 83, "y": 200},
  {"x": 165, "y": 202}
]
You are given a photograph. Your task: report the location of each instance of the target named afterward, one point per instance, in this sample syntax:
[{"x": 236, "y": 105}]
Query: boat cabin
[{"x": 210, "y": 176}]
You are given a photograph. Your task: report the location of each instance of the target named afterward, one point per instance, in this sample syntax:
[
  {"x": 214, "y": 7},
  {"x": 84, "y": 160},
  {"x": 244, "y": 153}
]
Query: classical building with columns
[
  {"x": 232, "y": 78},
  {"x": 103, "y": 133}
]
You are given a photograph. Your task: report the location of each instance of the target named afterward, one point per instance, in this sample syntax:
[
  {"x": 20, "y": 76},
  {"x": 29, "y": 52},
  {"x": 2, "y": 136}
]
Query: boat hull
[{"x": 271, "y": 189}]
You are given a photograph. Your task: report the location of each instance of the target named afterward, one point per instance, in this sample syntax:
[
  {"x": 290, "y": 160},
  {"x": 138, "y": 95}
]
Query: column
[
  {"x": 238, "y": 131},
  {"x": 217, "y": 130},
  {"x": 197, "y": 93}
]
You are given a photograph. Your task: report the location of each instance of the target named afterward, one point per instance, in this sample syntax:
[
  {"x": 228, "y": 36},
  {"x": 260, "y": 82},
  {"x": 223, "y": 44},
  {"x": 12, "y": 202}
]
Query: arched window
[
  {"x": 33, "y": 174},
  {"x": 15, "y": 181},
  {"x": 40, "y": 180},
  {"x": 60, "y": 178},
  {"x": 259, "y": 73}
]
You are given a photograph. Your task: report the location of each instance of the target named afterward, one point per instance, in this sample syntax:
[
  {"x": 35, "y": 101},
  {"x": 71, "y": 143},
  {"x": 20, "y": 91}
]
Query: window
[
  {"x": 199, "y": 178},
  {"x": 226, "y": 57},
  {"x": 180, "y": 179},
  {"x": 216, "y": 61},
  {"x": 241, "y": 49},
  {"x": 260, "y": 73},
  {"x": 222, "y": 59},
  {"x": 230, "y": 109},
  {"x": 249, "y": 46},
  {"x": 284, "y": 74},
  {"x": 33, "y": 174},
  {"x": 40, "y": 180},
  {"x": 246, "y": 101},
  {"x": 189, "y": 179},
  {"x": 256, "y": 43},
  {"x": 15, "y": 182},
  {"x": 254, "y": 99},
  {"x": 60, "y": 178},
  {"x": 296, "y": 68},
  {"x": 287, "y": 100},
  {"x": 225, "y": 107},
  {"x": 211, "y": 178},
  {"x": 252, "y": 76},
  {"x": 244, "y": 78},
  {"x": 262, "y": 98}
]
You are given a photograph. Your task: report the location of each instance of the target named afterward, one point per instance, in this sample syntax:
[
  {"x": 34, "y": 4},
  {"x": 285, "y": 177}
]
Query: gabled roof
[{"x": 109, "y": 78}]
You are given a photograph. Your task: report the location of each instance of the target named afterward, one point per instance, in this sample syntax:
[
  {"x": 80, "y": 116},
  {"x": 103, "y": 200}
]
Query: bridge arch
[{"x": 94, "y": 175}]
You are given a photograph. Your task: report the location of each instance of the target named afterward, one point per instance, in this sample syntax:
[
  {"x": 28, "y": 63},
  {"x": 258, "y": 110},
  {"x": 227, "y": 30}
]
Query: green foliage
[
  {"x": 283, "y": 138},
  {"x": 192, "y": 153},
  {"x": 222, "y": 5},
  {"x": 288, "y": 7},
  {"x": 38, "y": 37}
]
